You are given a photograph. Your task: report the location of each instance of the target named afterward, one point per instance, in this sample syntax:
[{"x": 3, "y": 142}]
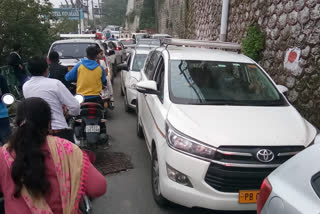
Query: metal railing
[{"x": 201, "y": 43}]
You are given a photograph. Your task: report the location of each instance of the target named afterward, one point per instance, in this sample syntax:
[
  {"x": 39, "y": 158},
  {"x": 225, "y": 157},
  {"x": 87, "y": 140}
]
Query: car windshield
[
  {"x": 72, "y": 50},
  {"x": 138, "y": 62},
  {"x": 221, "y": 83}
]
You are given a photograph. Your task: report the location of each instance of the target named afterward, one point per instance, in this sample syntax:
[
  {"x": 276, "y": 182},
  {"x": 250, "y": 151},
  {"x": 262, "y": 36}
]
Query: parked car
[
  {"x": 139, "y": 36},
  {"x": 215, "y": 124},
  {"x": 130, "y": 76},
  {"x": 294, "y": 187}
]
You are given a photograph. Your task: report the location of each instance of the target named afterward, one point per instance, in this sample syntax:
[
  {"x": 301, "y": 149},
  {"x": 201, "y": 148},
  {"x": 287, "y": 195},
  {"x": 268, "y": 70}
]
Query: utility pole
[{"x": 94, "y": 21}]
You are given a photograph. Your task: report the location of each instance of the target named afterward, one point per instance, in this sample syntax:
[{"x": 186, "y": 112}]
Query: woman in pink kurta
[{"x": 44, "y": 174}]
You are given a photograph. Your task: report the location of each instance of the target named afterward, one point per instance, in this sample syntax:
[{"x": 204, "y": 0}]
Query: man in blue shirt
[{"x": 4, "y": 116}]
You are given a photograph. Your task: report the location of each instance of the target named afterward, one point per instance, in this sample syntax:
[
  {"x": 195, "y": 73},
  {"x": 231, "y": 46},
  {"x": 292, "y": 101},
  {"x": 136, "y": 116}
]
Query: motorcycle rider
[
  {"x": 53, "y": 92},
  {"x": 4, "y": 117},
  {"x": 56, "y": 70},
  {"x": 90, "y": 77},
  {"x": 41, "y": 173}
]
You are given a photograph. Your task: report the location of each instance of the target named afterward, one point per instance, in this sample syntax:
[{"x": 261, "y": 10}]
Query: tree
[
  {"x": 25, "y": 22},
  {"x": 148, "y": 19},
  {"x": 114, "y": 12}
]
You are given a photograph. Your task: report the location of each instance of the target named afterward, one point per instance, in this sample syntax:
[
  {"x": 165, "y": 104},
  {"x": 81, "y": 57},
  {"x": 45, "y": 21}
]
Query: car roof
[
  {"x": 142, "y": 51},
  {"x": 197, "y": 53},
  {"x": 76, "y": 41}
]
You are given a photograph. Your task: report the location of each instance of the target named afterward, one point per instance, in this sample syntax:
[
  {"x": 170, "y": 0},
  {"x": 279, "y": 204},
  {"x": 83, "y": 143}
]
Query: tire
[
  {"x": 126, "y": 106},
  {"x": 121, "y": 89},
  {"x": 139, "y": 127},
  {"x": 155, "y": 182}
]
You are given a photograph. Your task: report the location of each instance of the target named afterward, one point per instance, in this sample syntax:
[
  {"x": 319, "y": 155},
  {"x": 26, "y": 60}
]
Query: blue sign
[{"x": 69, "y": 13}]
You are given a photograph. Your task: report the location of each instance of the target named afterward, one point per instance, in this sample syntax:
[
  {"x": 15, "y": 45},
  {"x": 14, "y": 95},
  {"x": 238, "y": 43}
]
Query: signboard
[
  {"x": 291, "y": 61},
  {"x": 70, "y": 13}
]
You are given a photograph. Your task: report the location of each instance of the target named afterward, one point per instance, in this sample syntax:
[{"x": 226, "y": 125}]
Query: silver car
[{"x": 294, "y": 187}]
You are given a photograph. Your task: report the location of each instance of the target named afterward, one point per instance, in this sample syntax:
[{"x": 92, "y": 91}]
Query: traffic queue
[{"x": 217, "y": 127}]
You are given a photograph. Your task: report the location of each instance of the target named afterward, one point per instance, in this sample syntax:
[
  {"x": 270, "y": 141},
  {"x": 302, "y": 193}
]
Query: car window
[
  {"x": 159, "y": 77},
  {"x": 152, "y": 64},
  {"x": 72, "y": 50},
  {"x": 315, "y": 182},
  {"x": 138, "y": 62},
  {"x": 221, "y": 83},
  {"x": 111, "y": 45}
]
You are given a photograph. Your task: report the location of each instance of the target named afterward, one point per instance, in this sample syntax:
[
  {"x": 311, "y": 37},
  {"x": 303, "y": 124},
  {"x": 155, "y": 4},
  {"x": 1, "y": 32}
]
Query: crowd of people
[{"x": 42, "y": 170}]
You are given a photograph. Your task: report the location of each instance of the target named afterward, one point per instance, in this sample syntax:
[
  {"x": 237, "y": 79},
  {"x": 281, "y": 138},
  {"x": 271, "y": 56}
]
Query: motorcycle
[{"x": 90, "y": 126}]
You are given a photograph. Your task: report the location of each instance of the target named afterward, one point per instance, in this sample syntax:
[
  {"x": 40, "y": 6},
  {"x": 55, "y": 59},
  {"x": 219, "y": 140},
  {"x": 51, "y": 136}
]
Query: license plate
[
  {"x": 93, "y": 128},
  {"x": 69, "y": 68},
  {"x": 248, "y": 196}
]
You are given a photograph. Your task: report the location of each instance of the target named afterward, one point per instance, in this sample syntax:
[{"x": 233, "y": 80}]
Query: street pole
[{"x": 94, "y": 22}]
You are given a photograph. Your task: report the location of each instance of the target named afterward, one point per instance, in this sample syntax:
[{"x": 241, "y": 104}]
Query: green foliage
[
  {"x": 25, "y": 22},
  {"x": 66, "y": 26},
  {"x": 148, "y": 18},
  {"x": 253, "y": 44},
  {"x": 114, "y": 12}
]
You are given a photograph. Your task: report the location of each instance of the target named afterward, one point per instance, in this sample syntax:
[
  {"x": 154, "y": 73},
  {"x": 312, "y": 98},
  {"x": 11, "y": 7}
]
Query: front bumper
[
  {"x": 132, "y": 97},
  {"x": 201, "y": 194}
]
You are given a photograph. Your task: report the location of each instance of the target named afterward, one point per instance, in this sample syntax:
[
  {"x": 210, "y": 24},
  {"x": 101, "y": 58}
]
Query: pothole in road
[{"x": 112, "y": 162}]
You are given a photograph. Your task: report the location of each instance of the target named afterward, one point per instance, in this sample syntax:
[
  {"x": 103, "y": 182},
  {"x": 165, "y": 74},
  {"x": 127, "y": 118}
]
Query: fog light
[{"x": 178, "y": 177}]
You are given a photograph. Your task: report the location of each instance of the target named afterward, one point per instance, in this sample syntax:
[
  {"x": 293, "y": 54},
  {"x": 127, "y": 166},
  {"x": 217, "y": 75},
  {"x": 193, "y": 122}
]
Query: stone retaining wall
[{"x": 286, "y": 24}]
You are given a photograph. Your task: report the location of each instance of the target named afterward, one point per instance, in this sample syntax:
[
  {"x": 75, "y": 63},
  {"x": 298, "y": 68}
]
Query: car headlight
[
  {"x": 133, "y": 83},
  {"x": 185, "y": 144}
]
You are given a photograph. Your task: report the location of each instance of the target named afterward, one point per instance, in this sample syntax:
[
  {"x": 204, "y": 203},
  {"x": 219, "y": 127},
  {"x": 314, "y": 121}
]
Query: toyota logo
[{"x": 265, "y": 155}]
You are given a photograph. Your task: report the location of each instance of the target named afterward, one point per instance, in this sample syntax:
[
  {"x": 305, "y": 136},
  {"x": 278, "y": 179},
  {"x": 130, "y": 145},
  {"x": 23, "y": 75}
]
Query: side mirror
[
  {"x": 147, "y": 87},
  {"x": 8, "y": 99},
  {"x": 282, "y": 89},
  {"x": 79, "y": 98},
  {"x": 122, "y": 66}
]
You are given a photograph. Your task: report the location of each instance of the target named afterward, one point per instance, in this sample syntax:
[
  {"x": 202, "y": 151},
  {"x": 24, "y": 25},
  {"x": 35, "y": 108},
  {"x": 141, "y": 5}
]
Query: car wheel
[
  {"x": 121, "y": 88},
  {"x": 155, "y": 179},
  {"x": 139, "y": 127},
  {"x": 126, "y": 106}
]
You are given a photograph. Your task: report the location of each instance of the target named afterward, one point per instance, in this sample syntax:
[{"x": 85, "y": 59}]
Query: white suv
[{"x": 215, "y": 125}]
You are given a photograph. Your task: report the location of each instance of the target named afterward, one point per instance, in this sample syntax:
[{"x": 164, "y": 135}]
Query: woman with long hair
[{"x": 40, "y": 173}]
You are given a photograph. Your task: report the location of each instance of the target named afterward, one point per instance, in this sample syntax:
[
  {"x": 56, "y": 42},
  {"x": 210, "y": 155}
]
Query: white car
[
  {"x": 215, "y": 125},
  {"x": 294, "y": 187},
  {"x": 71, "y": 51},
  {"x": 130, "y": 76}
]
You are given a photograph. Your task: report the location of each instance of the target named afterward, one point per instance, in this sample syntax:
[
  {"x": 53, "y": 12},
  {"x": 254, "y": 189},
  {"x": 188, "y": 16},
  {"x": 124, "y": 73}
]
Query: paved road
[{"x": 130, "y": 192}]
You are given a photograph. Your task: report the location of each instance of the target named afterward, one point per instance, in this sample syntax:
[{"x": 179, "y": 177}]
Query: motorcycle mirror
[
  {"x": 8, "y": 99},
  {"x": 79, "y": 98}
]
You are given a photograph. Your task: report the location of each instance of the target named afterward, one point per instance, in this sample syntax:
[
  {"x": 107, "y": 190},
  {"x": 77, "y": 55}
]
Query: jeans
[{"x": 5, "y": 130}]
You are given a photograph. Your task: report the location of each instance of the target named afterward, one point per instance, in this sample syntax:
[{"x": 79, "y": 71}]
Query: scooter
[
  {"x": 85, "y": 205},
  {"x": 90, "y": 126}
]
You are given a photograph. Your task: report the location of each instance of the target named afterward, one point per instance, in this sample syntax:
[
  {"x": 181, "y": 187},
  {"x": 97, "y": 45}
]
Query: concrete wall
[{"x": 286, "y": 24}]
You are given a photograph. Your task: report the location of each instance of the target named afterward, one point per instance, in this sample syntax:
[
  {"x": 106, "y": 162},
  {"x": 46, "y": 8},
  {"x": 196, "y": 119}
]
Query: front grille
[
  {"x": 233, "y": 179},
  {"x": 237, "y": 168}
]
